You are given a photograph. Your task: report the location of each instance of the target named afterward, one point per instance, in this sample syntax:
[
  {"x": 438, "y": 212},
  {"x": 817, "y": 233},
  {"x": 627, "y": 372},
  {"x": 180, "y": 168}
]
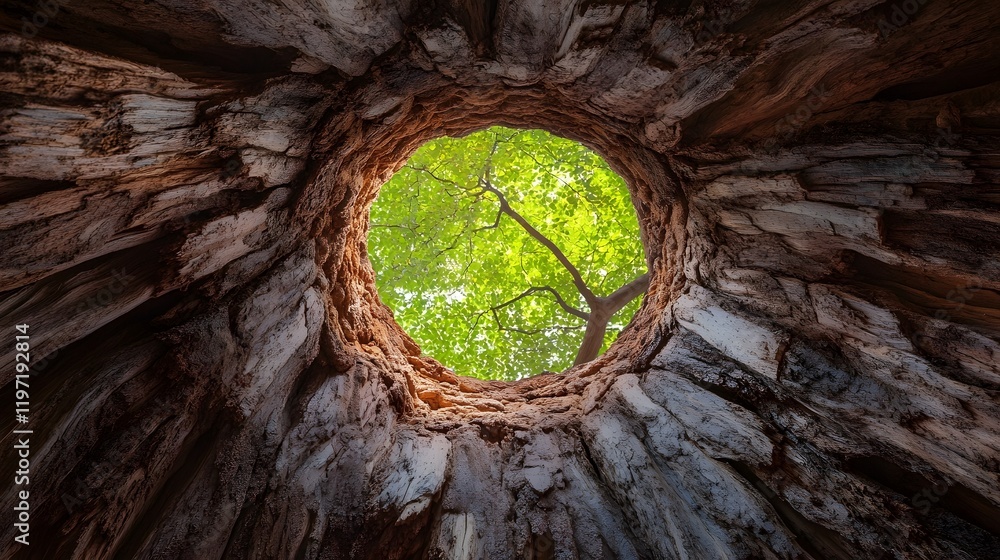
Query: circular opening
[{"x": 507, "y": 253}]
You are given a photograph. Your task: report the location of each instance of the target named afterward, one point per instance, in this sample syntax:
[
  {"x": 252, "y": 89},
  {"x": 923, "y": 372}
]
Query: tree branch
[
  {"x": 535, "y": 289},
  {"x": 622, "y": 296},
  {"x": 578, "y": 281},
  {"x": 545, "y": 168},
  {"x": 441, "y": 180},
  {"x": 600, "y": 314},
  {"x": 494, "y": 225},
  {"x": 537, "y": 331}
]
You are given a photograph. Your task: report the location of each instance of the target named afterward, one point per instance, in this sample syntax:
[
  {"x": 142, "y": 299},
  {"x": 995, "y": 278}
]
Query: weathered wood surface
[{"x": 184, "y": 188}]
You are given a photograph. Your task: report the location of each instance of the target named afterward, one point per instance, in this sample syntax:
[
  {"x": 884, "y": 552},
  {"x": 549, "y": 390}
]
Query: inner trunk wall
[{"x": 813, "y": 373}]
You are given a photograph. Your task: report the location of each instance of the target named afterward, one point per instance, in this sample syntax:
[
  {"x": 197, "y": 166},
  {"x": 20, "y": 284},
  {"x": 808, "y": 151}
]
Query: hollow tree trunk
[{"x": 813, "y": 374}]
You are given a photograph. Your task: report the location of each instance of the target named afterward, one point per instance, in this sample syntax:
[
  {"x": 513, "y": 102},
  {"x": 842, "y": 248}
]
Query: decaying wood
[{"x": 184, "y": 192}]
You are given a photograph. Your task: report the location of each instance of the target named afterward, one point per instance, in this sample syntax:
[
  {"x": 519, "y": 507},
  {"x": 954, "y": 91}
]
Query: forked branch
[
  {"x": 535, "y": 289},
  {"x": 505, "y": 207}
]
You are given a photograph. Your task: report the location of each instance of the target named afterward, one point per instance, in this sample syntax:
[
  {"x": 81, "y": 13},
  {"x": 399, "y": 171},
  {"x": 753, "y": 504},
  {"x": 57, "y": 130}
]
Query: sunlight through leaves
[{"x": 493, "y": 250}]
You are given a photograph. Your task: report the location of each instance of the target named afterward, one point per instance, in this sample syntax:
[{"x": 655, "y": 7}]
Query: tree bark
[
  {"x": 601, "y": 312},
  {"x": 184, "y": 193}
]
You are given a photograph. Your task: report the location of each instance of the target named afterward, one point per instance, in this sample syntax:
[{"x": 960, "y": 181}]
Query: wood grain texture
[{"x": 184, "y": 193}]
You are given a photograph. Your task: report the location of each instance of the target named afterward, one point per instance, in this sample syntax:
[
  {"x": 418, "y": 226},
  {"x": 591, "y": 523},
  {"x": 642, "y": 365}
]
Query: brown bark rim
[{"x": 457, "y": 111}]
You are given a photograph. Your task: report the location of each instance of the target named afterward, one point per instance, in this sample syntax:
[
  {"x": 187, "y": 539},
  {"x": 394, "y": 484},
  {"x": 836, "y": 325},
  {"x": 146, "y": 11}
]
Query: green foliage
[{"x": 444, "y": 255}]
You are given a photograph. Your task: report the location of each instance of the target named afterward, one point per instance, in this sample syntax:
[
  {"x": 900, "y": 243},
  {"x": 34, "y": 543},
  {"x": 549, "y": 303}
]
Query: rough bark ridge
[{"x": 814, "y": 373}]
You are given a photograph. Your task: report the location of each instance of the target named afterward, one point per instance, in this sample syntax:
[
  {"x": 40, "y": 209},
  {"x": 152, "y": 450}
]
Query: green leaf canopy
[{"x": 451, "y": 265}]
